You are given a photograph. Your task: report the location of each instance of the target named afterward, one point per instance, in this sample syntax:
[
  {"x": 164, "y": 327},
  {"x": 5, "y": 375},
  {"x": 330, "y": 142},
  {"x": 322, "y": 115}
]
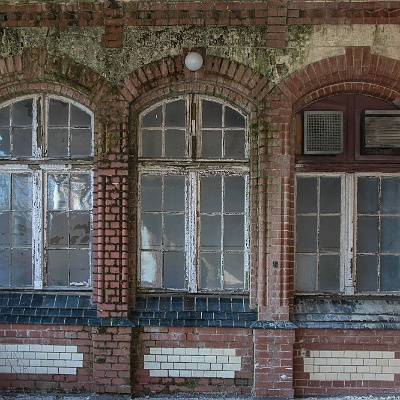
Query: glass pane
[
  {"x": 81, "y": 142},
  {"x": 174, "y": 231},
  {"x": 58, "y": 266},
  {"x": 367, "y": 195},
  {"x": 329, "y": 233},
  {"x": 306, "y": 201},
  {"x": 58, "y": 113},
  {"x": 306, "y": 234},
  {"x": 151, "y": 263},
  {"x": 22, "y": 142},
  {"x": 79, "y": 229},
  {"x": 235, "y": 145},
  {"x": 21, "y": 267},
  {"x": 57, "y": 192},
  {"x": 329, "y": 272},
  {"x": 234, "y": 193},
  {"x": 151, "y": 193},
  {"x": 233, "y": 271},
  {"x": 174, "y": 270},
  {"x": 151, "y": 143},
  {"x": 306, "y": 272},
  {"x": 175, "y": 143},
  {"x": 390, "y": 273},
  {"x": 80, "y": 267},
  {"x": 234, "y": 232},
  {"x": 210, "y": 238},
  {"x": 210, "y": 271},
  {"x": 234, "y": 119},
  {"x": 22, "y": 113},
  {"x": 391, "y": 195},
  {"x": 4, "y": 191},
  {"x": 174, "y": 196},
  {"x": 21, "y": 229},
  {"x": 5, "y": 229},
  {"x": 81, "y": 192},
  {"x": 367, "y": 234},
  {"x": 151, "y": 230},
  {"x": 57, "y": 142},
  {"x": 5, "y": 263},
  {"x": 5, "y": 116},
  {"x": 5, "y": 142},
  {"x": 22, "y": 192},
  {"x": 390, "y": 235},
  {"x": 153, "y": 118},
  {"x": 330, "y": 195},
  {"x": 211, "y": 144},
  {"x": 367, "y": 273},
  {"x": 212, "y": 114},
  {"x": 80, "y": 117},
  {"x": 210, "y": 194},
  {"x": 57, "y": 229},
  {"x": 175, "y": 113}
]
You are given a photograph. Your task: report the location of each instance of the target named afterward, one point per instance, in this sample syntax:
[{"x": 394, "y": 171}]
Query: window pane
[
  {"x": 306, "y": 201},
  {"x": 22, "y": 142},
  {"x": 329, "y": 272},
  {"x": 306, "y": 234},
  {"x": 210, "y": 194},
  {"x": 212, "y": 114},
  {"x": 57, "y": 191},
  {"x": 151, "y": 193},
  {"x": 233, "y": 232},
  {"x": 234, "y": 194},
  {"x": 151, "y": 230},
  {"x": 80, "y": 117},
  {"x": 151, "y": 143},
  {"x": 235, "y": 144},
  {"x": 81, "y": 142},
  {"x": 22, "y": 113},
  {"x": 58, "y": 267},
  {"x": 367, "y": 273},
  {"x": 21, "y": 267},
  {"x": 5, "y": 229},
  {"x": 367, "y": 195},
  {"x": 4, "y": 191},
  {"x": 234, "y": 119},
  {"x": 174, "y": 193},
  {"x": 211, "y": 144},
  {"x": 151, "y": 267},
  {"x": 390, "y": 273},
  {"x": 367, "y": 234},
  {"x": 391, "y": 195},
  {"x": 329, "y": 233},
  {"x": 153, "y": 118},
  {"x": 174, "y": 270},
  {"x": 58, "y": 113},
  {"x": 210, "y": 238},
  {"x": 175, "y": 113},
  {"x": 306, "y": 272},
  {"x": 21, "y": 229},
  {"x": 79, "y": 229},
  {"x": 5, "y": 116},
  {"x": 21, "y": 192},
  {"x": 175, "y": 143},
  {"x": 81, "y": 192},
  {"x": 210, "y": 271},
  {"x": 5, "y": 264},
  {"x": 174, "y": 231},
  {"x": 57, "y": 142},
  {"x": 390, "y": 235},
  {"x": 57, "y": 229},
  {"x": 5, "y": 148},
  {"x": 79, "y": 272},
  {"x": 233, "y": 270},
  {"x": 330, "y": 196}
]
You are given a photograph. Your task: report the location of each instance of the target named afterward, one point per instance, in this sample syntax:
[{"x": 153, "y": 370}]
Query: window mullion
[
  {"x": 191, "y": 230},
  {"x": 347, "y": 228},
  {"x": 37, "y": 229}
]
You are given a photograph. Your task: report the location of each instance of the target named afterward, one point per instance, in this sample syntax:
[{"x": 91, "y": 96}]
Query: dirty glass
[
  {"x": 151, "y": 269},
  {"x": 306, "y": 272},
  {"x": 233, "y": 119},
  {"x": 234, "y": 194},
  {"x": 235, "y": 144},
  {"x": 175, "y": 143},
  {"x": 58, "y": 229},
  {"x": 367, "y": 195},
  {"x": 21, "y": 113},
  {"x": 211, "y": 114},
  {"x": 174, "y": 190},
  {"x": 175, "y": 113},
  {"x": 58, "y": 267},
  {"x": 151, "y": 193},
  {"x": 81, "y": 192},
  {"x": 329, "y": 272},
  {"x": 57, "y": 142},
  {"x": 390, "y": 273},
  {"x": 306, "y": 200},
  {"x": 5, "y": 144},
  {"x": 79, "y": 272},
  {"x": 233, "y": 271},
  {"x": 58, "y": 113},
  {"x": 390, "y": 234},
  {"x": 21, "y": 267},
  {"x": 391, "y": 195},
  {"x": 211, "y": 228},
  {"x": 330, "y": 195},
  {"x": 174, "y": 270},
  {"x": 174, "y": 231},
  {"x": 22, "y": 142},
  {"x": 210, "y": 271},
  {"x": 306, "y": 233},
  {"x": 5, "y": 239},
  {"x": 151, "y": 143},
  {"x": 233, "y": 232},
  {"x": 367, "y": 234},
  {"x": 329, "y": 235},
  {"x": 5, "y": 116},
  {"x": 211, "y": 144},
  {"x": 211, "y": 194},
  {"x": 79, "y": 117},
  {"x": 57, "y": 191},
  {"x": 79, "y": 229},
  {"x": 5, "y": 181},
  {"x": 367, "y": 273},
  {"x": 21, "y": 192},
  {"x": 81, "y": 142},
  {"x": 5, "y": 264},
  {"x": 151, "y": 230},
  {"x": 21, "y": 229},
  {"x": 153, "y": 118}
]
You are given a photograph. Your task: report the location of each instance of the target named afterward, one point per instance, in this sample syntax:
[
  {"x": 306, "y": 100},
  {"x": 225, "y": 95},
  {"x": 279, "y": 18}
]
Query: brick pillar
[{"x": 273, "y": 362}]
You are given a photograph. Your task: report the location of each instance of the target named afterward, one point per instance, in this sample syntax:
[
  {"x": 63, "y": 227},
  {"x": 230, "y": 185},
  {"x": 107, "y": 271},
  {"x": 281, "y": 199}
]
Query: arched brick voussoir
[
  {"x": 218, "y": 76},
  {"x": 36, "y": 70},
  {"x": 355, "y": 71}
]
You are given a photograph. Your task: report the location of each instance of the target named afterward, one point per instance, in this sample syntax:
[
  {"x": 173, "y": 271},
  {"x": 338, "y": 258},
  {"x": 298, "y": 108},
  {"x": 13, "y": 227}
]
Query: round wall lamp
[{"x": 193, "y": 61}]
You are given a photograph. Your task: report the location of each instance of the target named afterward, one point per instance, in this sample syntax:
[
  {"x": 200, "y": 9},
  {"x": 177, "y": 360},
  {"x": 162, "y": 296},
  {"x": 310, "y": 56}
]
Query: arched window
[
  {"x": 348, "y": 197},
  {"x": 46, "y": 157},
  {"x": 193, "y": 196}
]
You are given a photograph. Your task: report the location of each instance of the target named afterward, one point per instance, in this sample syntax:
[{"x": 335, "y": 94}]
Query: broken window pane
[
  {"x": 174, "y": 270},
  {"x": 233, "y": 271},
  {"x": 210, "y": 271}
]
